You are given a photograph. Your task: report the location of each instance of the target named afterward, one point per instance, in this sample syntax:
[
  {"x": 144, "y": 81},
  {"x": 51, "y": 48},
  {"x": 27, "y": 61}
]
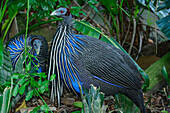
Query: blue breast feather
[{"x": 16, "y": 47}]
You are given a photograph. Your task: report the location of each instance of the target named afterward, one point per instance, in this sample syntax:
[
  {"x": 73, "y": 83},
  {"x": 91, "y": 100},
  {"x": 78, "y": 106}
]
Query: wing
[{"x": 109, "y": 64}]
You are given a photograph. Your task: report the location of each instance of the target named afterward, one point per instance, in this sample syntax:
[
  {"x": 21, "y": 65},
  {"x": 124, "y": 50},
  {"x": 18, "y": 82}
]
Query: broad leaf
[
  {"x": 5, "y": 100},
  {"x": 52, "y": 77},
  {"x": 78, "y": 104},
  {"x": 85, "y": 28},
  {"x": 110, "y": 5},
  {"x": 29, "y": 95},
  {"x": 164, "y": 5},
  {"x": 6, "y": 68},
  {"x": 165, "y": 74},
  {"x": 164, "y": 25},
  {"x": 15, "y": 91}
]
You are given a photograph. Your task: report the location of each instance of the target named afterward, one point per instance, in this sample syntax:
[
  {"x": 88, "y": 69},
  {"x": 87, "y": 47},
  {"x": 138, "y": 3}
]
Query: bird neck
[{"x": 67, "y": 20}]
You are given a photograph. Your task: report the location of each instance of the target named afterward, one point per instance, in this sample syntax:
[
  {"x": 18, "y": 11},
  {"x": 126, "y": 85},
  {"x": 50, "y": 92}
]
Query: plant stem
[
  {"x": 8, "y": 26},
  {"x": 26, "y": 32},
  {"x": 133, "y": 37},
  {"x": 42, "y": 98},
  {"x": 114, "y": 21}
]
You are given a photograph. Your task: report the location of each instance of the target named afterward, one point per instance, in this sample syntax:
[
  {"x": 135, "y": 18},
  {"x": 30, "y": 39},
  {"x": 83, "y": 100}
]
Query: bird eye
[
  {"x": 61, "y": 11},
  {"x": 35, "y": 44}
]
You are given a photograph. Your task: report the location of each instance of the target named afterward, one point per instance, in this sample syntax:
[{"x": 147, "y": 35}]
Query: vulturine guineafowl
[
  {"x": 87, "y": 60},
  {"x": 38, "y": 47}
]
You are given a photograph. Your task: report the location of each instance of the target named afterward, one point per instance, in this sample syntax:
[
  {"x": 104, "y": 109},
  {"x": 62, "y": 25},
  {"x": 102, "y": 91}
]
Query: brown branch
[
  {"x": 133, "y": 37},
  {"x": 126, "y": 34}
]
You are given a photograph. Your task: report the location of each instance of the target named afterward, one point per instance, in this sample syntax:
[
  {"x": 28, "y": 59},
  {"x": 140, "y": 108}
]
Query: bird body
[
  {"x": 86, "y": 60},
  {"x": 38, "y": 47}
]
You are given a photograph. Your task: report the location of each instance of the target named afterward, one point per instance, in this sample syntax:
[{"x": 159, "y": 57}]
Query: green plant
[
  {"x": 5, "y": 100},
  {"x": 23, "y": 78},
  {"x": 93, "y": 101},
  {"x": 124, "y": 105},
  {"x": 5, "y": 23}
]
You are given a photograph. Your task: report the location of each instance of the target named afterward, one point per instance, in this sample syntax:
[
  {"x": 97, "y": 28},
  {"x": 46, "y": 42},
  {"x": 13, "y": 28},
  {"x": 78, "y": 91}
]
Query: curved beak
[
  {"x": 38, "y": 50},
  {"x": 54, "y": 13}
]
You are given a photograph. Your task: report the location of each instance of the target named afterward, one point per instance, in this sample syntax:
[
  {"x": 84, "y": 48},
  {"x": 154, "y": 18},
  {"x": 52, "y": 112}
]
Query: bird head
[
  {"x": 61, "y": 12},
  {"x": 37, "y": 45}
]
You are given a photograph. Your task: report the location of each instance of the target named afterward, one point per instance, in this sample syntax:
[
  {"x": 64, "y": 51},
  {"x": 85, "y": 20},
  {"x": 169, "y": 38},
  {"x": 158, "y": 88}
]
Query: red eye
[
  {"x": 61, "y": 11},
  {"x": 35, "y": 44}
]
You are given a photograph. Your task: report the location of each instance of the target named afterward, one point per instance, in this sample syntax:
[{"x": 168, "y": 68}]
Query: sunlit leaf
[
  {"x": 78, "y": 104},
  {"x": 35, "y": 109},
  {"x": 28, "y": 66},
  {"x": 44, "y": 108},
  {"x": 29, "y": 95},
  {"x": 165, "y": 74},
  {"x": 5, "y": 100},
  {"x": 85, "y": 28},
  {"x": 22, "y": 89},
  {"x": 52, "y": 77},
  {"x": 15, "y": 91},
  {"x": 43, "y": 87},
  {"x": 22, "y": 81}
]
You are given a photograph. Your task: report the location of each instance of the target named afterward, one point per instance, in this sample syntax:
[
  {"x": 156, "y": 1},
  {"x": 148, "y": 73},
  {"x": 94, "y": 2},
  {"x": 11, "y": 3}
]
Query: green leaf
[
  {"x": 164, "y": 25},
  {"x": 15, "y": 76},
  {"x": 5, "y": 100},
  {"x": 1, "y": 52},
  {"x": 78, "y": 104},
  {"x": 110, "y": 5},
  {"x": 6, "y": 68},
  {"x": 34, "y": 83},
  {"x": 163, "y": 111},
  {"x": 85, "y": 28},
  {"x": 42, "y": 74},
  {"x": 29, "y": 95},
  {"x": 28, "y": 66},
  {"x": 165, "y": 74},
  {"x": 75, "y": 10},
  {"x": 15, "y": 91},
  {"x": 92, "y": 6},
  {"x": 22, "y": 81},
  {"x": 43, "y": 87},
  {"x": 154, "y": 71},
  {"x": 35, "y": 109},
  {"x": 52, "y": 77},
  {"x": 168, "y": 96},
  {"x": 44, "y": 108},
  {"x": 22, "y": 89},
  {"x": 164, "y": 5}
]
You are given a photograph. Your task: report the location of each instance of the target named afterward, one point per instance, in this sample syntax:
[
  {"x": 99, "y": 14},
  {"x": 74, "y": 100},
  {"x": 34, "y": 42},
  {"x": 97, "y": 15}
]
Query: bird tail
[{"x": 137, "y": 98}]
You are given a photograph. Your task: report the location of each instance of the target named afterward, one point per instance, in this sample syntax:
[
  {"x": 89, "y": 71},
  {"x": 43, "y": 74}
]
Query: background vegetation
[{"x": 131, "y": 25}]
